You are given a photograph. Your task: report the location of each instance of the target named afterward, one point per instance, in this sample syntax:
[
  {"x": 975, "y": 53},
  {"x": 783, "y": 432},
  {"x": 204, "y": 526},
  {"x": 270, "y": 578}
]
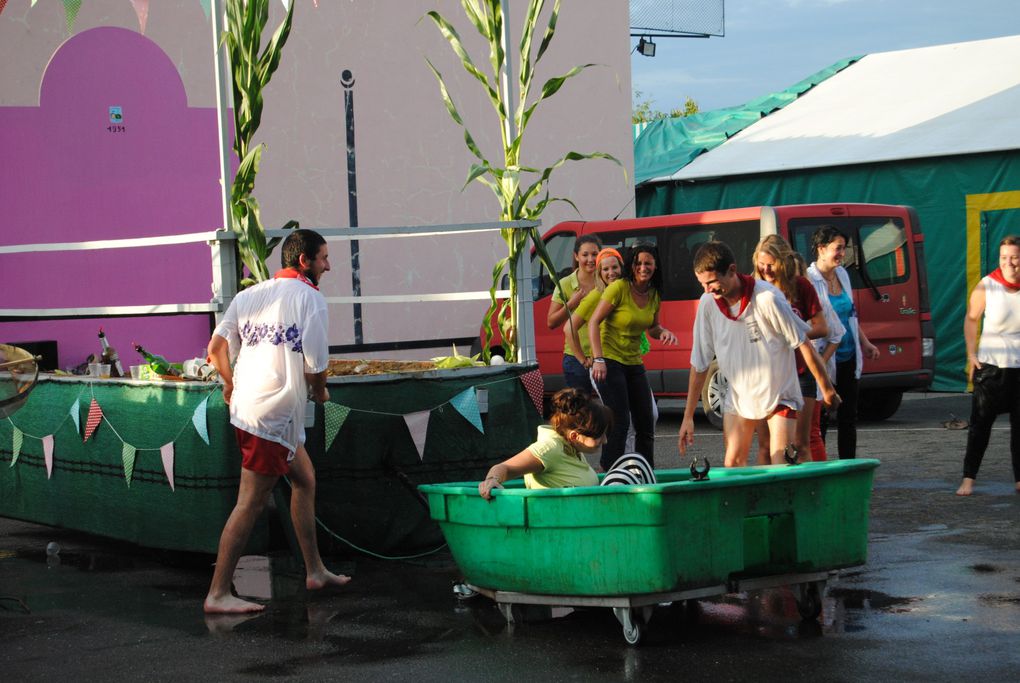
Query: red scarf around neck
[
  {"x": 747, "y": 289},
  {"x": 286, "y": 273},
  {"x": 1000, "y": 278}
]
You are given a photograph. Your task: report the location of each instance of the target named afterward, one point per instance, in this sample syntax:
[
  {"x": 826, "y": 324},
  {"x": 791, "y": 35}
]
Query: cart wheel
[
  {"x": 633, "y": 626},
  {"x": 810, "y": 603}
]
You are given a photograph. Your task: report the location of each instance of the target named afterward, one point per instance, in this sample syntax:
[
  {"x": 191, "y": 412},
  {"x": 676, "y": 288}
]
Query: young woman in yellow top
[
  {"x": 628, "y": 307},
  {"x": 575, "y": 287}
]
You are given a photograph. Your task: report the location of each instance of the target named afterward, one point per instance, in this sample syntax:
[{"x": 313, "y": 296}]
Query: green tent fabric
[{"x": 667, "y": 145}]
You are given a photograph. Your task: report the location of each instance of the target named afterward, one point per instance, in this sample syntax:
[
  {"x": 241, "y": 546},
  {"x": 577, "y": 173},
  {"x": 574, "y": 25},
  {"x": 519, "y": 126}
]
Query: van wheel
[
  {"x": 877, "y": 405},
  {"x": 712, "y": 395}
]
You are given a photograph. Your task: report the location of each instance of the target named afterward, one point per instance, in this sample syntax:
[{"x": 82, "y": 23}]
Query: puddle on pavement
[
  {"x": 1000, "y": 600},
  {"x": 856, "y": 598},
  {"x": 985, "y": 568},
  {"x": 85, "y": 561}
]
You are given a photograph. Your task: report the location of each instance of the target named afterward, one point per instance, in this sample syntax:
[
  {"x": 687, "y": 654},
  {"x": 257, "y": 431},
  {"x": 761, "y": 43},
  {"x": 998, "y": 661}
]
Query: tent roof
[{"x": 944, "y": 100}]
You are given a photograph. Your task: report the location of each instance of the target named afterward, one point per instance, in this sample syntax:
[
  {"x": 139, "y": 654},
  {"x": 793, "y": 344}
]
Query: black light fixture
[{"x": 646, "y": 47}]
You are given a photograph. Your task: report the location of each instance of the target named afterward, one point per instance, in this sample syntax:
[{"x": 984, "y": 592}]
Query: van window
[
  {"x": 679, "y": 282},
  {"x": 561, "y": 250},
  {"x": 882, "y": 243}
]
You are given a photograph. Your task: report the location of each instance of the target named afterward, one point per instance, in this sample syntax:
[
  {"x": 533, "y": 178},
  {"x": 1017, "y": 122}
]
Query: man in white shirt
[
  {"x": 277, "y": 331},
  {"x": 749, "y": 326}
]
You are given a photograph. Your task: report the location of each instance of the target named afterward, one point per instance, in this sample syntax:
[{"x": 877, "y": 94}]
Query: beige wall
[{"x": 411, "y": 158}]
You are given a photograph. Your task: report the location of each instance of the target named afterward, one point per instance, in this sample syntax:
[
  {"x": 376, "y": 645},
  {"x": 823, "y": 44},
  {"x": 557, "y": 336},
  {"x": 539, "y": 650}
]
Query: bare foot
[
  {"x": 230, "y": 605},
  {"x": 225, "y": 623},
  {"x": 325, "y": 579},
  {"x": 966, "y": 487}
]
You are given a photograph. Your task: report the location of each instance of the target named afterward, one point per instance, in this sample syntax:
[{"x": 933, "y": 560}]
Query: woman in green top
[
  {"x": 627, "y": 308},
  {"x": 575, "y": 287},
  {"x": 608, "y": 269}
]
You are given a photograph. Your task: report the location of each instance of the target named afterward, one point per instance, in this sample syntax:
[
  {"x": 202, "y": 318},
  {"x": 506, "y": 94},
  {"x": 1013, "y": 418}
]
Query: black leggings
[
  {"x": 626, "y": 392},
  {"x": 988, "y": 402},
  {"x": 846, "y": 414}
]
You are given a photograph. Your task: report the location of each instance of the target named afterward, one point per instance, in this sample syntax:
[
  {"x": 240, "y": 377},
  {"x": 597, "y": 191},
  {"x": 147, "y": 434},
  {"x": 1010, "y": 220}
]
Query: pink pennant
[
  {"x": 95, "y": 417},
  {"x": 3, "y": 3},
  {"x": 418, "y": 425},
  {"x": 533, "y": 383},
  {"x": 166, "y": 452},
  {"x": 142, "y": 10},
  {"x": 47, "y": 447}
]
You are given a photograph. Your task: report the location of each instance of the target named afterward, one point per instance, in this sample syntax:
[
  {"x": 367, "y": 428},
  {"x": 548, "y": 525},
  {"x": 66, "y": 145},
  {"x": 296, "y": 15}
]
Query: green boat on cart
[{"x": 632, "y": 547}]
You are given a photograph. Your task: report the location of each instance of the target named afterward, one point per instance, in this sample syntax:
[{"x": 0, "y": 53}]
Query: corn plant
[
  {"x": 522, "y": 191},
  {"x": 251, "y": 71}
]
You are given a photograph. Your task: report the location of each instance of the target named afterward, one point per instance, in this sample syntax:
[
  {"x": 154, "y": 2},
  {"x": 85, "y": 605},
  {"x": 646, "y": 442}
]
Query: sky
[{"x": 771, "y": 44}]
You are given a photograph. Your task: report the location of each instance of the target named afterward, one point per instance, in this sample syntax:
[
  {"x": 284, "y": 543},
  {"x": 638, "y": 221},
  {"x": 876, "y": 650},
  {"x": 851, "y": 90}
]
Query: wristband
[{"x": 598, "y": 360}]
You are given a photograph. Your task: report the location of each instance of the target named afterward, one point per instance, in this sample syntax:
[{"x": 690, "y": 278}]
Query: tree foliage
[{"x": 644, "y": 113}]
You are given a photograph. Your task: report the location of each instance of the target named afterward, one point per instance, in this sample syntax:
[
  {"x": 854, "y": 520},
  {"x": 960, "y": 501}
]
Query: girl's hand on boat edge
[{"x": 486, "y": 485}]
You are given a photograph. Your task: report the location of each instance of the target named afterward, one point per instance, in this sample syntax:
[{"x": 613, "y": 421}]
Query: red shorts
[
  {"x": 263, "y": 456},
  {"x": 784, "y": 411}
]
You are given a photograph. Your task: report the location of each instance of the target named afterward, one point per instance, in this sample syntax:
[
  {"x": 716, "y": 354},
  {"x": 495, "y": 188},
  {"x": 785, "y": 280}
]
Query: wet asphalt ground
[{"x": 939, "y": 599}]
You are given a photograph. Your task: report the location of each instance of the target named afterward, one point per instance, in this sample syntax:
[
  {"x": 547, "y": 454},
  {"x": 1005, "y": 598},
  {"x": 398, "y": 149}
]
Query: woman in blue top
[{"x": 830, "y": 249}]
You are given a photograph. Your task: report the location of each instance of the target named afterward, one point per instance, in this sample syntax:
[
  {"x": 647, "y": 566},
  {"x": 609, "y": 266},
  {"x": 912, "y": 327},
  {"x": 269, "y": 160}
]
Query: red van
[{"x": 885, "y": 258}]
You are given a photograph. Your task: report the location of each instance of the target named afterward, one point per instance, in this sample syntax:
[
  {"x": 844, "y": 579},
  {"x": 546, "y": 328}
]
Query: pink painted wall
[{"x": 70, "y": 175}]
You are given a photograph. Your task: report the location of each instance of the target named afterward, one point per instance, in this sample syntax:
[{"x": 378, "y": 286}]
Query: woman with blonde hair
[{"x": 775, "y": 262}]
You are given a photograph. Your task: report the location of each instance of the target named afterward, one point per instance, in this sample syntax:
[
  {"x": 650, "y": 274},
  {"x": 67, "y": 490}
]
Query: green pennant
[
  {"x": 71, "y": 8},
  {"x": 19, "y": 438},
  {"x": 336, "y": 414},
  {"x": 127, "y": 454}
]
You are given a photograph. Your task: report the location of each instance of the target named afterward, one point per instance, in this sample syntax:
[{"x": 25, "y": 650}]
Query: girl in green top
[
  {"x": 575, "y": 287},
  {"x": 627, "y": 308},
  {"x": 608, "y": 269}
]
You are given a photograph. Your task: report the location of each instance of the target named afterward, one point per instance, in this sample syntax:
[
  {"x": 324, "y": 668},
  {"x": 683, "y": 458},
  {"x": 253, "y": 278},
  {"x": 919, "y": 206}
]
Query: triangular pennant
[
  {"x": 206, "y": 7},
  {"x": 93, "y": 420},
  {"x": 166, "y": 453},
  {"x": 466, "y": 403},
  {"x": 198, "y": 419},
  {"x": 533, "y": 383},
  {"x": 3, "y": 3},
  {"x": 127, "y": 454},
  {"x": 142, "y": 10},
  {"x": 47, "y": 446},
  {"x": 76, "y": 417},
  {"x": 19, "y": 438},
  {"x": 418, "y": 425},
  {"x": 336, "y": 414},
  {"x": 71, "y": 8}
]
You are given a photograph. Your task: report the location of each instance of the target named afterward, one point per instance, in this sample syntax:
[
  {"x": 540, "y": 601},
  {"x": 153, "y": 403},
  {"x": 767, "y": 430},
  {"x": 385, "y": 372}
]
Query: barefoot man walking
[{"x": 278, "y": 330}]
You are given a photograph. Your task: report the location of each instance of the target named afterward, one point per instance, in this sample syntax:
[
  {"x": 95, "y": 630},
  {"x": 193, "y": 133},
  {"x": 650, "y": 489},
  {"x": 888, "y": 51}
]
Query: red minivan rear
[{"x": 885, "y": 258}]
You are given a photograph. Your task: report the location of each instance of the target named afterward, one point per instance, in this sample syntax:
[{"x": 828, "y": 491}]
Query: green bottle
[{"x": 158, "y": 364}]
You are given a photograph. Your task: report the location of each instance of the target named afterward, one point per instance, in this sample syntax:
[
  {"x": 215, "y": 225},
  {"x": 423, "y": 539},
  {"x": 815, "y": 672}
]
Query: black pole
[{"x": 347, "y": 81}]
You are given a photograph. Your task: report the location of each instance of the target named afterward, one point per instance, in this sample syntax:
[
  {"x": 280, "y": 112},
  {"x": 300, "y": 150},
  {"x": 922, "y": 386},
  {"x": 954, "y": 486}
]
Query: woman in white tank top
[{"x": 995, "y": 362}]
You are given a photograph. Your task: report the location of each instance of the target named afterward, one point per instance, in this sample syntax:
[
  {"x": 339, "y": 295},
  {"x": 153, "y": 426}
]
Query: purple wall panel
[{"x": 71, "y": 173}]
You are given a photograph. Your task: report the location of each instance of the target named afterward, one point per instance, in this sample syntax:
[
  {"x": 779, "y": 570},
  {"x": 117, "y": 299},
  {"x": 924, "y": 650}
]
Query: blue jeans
[
  {"x": 576, "y": 375},
  {"x": 626, "y": 392}
]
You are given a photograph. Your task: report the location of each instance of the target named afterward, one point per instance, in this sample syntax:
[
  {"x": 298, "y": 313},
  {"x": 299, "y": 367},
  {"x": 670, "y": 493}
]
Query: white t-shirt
[
  {"x": 755, "y": 351},
  {"x": 1000, "y": 330},
  {"x": 278, "y": 331}
]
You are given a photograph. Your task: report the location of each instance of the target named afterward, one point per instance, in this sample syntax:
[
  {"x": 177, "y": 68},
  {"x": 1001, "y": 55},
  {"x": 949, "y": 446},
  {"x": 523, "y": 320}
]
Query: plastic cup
[
  {"x": 136, "y": 372},
  {"x": 94, "y": 369},
  {"x": 104, "y": 370}
]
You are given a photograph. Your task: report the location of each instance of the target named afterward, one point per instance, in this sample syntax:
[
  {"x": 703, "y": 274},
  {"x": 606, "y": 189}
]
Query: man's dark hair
[
  {"x": 713, "y": 257},
  {"x": 631, "y": 260},
  {"x": 301, "y": 241}
]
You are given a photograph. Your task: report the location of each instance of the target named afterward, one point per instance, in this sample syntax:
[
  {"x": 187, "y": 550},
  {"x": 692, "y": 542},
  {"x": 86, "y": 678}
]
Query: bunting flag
[
  {"x": 142, "y": 10},
  {"x": 94, "y": 418},
  {"x": 206, "y": 7},
  {"x": 418, "y": 425},
  {"x": 532, "y": 381},
  {"x": 19, "y": 438},
  {"x": 466, "y": 403},
  {"x": 47, "y": 445},
  {"x": 76, "y": 417},
  {"x": 71, "y": 8},
  {"x": 3, "y": 3},
  {"x": 166, "y": 453},
  {"x": 336, "y": 414},
  {"x": 127, "y": 454},
  {"x": 198, "y": 419}
]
